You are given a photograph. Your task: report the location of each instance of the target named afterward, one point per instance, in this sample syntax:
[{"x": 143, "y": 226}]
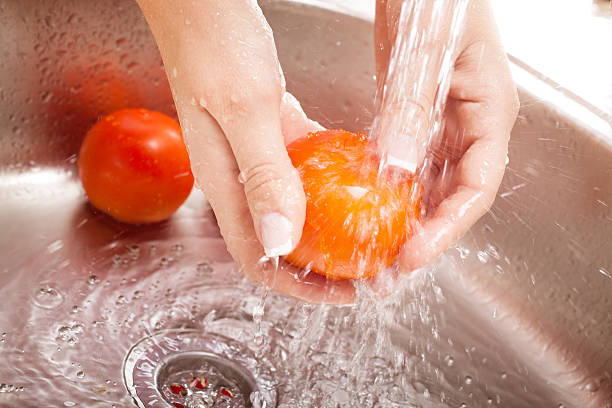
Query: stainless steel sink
[{"x": 517, "y": 315}]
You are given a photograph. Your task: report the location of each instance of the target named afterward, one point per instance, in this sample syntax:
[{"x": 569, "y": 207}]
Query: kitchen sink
[{"x": 96, "y": 313}]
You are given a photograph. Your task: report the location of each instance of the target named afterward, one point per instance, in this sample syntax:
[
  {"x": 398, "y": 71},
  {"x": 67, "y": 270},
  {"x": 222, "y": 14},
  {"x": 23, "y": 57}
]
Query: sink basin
[{"x": 516, "y": 315}]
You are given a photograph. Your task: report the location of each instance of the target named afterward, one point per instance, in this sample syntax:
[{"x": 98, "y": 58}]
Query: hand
[
  {"x": 470, "y": 159},
  {"x": 236, "y": 118}
]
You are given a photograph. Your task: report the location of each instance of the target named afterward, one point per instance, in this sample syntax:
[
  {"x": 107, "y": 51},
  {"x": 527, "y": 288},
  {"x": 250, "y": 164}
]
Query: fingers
[
  {"x": 475, "y": 180},
  {"x": 217, "y": 174},
  {"x": 481, "y": 111},
  {"x": 224, "y": 64}
]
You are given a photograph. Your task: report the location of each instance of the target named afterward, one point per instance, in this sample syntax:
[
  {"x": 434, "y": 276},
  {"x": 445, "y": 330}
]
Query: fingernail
[{"x": 275, "y": 232}]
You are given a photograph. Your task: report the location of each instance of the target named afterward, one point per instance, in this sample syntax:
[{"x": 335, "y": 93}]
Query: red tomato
[
  {"x": 134, "y": 166},
  {"x": 356, "y": 218}
]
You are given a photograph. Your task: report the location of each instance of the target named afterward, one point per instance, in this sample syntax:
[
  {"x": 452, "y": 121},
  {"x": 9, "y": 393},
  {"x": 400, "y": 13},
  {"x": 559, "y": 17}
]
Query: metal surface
[
  {"x": 526, "y": 313},
  {"x": 172, "y": 357}
]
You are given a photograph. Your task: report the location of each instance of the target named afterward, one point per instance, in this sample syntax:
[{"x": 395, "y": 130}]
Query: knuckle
[
  {"x": 236, "y": 99},
  {"x": 262, "y": 180}
]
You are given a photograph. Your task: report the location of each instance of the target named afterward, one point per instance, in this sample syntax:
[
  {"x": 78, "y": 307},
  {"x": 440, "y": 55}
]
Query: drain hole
[
  {"x": 204, "y": 380},
  {"x": 197, "y": 369}
]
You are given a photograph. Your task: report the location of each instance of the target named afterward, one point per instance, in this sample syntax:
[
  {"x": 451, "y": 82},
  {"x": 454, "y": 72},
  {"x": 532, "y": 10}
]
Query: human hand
[
  {"x": 236, "y": 118},
  {"x": 466, "y": 166}
]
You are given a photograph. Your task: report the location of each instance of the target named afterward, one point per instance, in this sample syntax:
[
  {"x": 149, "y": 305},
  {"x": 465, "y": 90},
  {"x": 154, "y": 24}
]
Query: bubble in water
[
  {"x": 468, "y": 380},
  {"x": 80, "y": 374},
  {"x": 164, "y": 262},
  {"x": 93, "y": 279},
  {"x": 450, "y": 361},
  {"x": 504, "y": 376},
  {"x": 70, "y": 333},
  {"x": 69, "y": 404},
  {"x": 204, "y": 268},
  {"x": 48, "y": 298},
  {"x": 134, "y": 251}
]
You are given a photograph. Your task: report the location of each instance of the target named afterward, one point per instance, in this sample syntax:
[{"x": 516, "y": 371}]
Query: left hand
[{"x": 470, "y": 159}]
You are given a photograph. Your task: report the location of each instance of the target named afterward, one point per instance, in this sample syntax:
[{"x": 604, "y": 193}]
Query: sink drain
[{"x": 195, "y": 369}]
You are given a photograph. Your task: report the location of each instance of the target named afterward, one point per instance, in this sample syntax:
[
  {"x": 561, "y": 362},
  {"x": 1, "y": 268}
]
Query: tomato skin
[
  {"x": 134, "y": 166},
  {"x": 356, "y": 218}
]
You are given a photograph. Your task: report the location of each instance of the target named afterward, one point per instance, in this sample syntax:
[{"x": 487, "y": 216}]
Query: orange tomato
[
  {"x": 356, "y": 218},
  {"x": 134, "y": 166}
]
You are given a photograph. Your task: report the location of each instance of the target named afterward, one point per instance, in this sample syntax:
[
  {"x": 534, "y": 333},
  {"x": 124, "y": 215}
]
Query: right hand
[{"x": 236, "y": 118}]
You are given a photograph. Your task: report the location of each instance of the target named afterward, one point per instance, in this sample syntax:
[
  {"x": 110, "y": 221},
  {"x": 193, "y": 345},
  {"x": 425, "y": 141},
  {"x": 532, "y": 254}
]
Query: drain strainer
[{"x": 196, "y": 369}]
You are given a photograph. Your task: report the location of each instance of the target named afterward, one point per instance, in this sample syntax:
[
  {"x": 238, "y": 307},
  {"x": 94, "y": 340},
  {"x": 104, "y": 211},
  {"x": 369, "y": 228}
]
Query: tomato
[
  {"x": 356, "y": 218},
  {"x": 134, "y": 166}
]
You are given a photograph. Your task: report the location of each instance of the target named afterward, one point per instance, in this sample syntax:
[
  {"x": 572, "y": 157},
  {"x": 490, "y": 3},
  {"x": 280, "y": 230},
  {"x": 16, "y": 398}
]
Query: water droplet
[
  {"x": 463, "y": 252},
  {"x": 46, "y": 96},
  {"x": 504, "y": 376},
  {"x": 468, "y": 380},
  {"x": 48, "y": 298},
  {"x": 242, "y": 178},
  {"x": 6, "y": 388},
  {"x": 592, "y": 387},
  {"x": 164, "y": 262},
  {"x": 76, "y": 88},
  {"x": 117, "y": 260},
  {"x": 69, "y": 404},
  {"x": 450, "y": 361},
  {"x": 134, "y": 251},
  {"x": 80, "y": 374},
  {"x": 174, "y": 72},
  {"x": 463, "y": 405},
  {"x": 93, "y": 279},
  {"x": 138, "y": 294},
  {"x": 483, "y": 257},
  {"x": 55, "y": 246},
  {"x": 202, "y": 102},
  {"x": 176, "y": 249}
]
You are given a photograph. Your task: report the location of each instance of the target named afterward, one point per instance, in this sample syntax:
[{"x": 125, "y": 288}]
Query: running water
[{"x": 88, "y": 307}]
